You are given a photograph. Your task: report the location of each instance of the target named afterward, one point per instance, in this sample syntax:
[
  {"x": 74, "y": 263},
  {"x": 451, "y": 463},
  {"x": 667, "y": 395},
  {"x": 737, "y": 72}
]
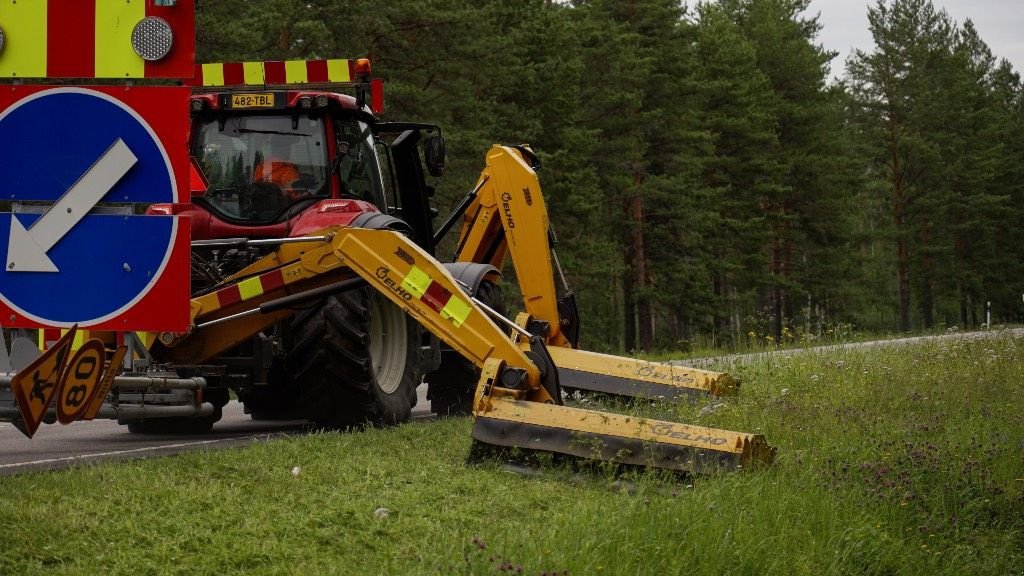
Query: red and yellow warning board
[
  {"x": 274, "y": 72},
  {"x": 436, "y": 296},
  {"x": 250, "y": 288},
  {"x": 97, "y": 39}
]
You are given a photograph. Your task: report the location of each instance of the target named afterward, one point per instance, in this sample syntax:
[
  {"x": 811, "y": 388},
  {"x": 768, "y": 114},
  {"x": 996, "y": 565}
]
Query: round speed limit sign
[{"x": 80, "y": 381}]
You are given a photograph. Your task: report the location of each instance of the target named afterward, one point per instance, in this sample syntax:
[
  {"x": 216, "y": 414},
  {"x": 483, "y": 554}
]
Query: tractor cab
[
  {"x": 270, "y": 139},
  {"x": 260, "y": 165},
  {"x": 279, "y": 149}
]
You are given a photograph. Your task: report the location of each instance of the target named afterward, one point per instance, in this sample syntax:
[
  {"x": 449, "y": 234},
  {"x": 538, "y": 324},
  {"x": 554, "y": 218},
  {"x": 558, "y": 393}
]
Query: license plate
[{"x": 263, "y": 100}]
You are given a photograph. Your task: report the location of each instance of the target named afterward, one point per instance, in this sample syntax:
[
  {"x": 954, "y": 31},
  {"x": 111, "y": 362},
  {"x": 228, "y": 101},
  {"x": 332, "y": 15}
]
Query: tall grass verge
[{"x": 891, "y": 461}]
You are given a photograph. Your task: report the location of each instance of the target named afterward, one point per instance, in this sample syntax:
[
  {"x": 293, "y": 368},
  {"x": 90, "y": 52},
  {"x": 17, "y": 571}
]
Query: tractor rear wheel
[
  {"x": 355, "y": 360},
  {"x": 451, "y": 387}
]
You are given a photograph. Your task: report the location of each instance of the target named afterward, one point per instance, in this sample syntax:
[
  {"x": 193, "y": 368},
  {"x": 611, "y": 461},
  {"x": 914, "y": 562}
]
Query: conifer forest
[{"x": 714, "y": 174}]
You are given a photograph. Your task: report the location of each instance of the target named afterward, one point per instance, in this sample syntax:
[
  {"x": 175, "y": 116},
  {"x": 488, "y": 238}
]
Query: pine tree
[
  {"x": 809, "y": 212},
  {"x": 891, "y": 88}
]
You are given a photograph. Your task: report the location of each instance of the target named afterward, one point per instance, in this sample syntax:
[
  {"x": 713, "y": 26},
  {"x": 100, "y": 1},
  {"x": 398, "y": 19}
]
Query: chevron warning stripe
[
  {"x": 250, "y": 288},
  {"x": 274, "y": 72},
  {"x": 451, "y": 307}
]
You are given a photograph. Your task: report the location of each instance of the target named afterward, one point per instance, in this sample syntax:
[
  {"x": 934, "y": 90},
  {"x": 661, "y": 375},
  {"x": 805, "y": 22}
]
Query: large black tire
[
  {"x": 354, "y": 360},
  {"x": 450, "y": 388}
]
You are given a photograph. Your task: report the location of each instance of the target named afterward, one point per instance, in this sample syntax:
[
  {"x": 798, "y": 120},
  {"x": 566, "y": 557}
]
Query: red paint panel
[
  {"x": 272, "y": 281},
  {"x": 165, "y": 109},
  {"x": 50, "y": 335},
  {"x": 273, "y": 72},
  {"x": 228, "y": 296},
  {"x": 234, "y": 74},
  {"x": 436, "y": 296},
  {"x": 181, "y": 59},
  {"x": 197, "y": 76},
  {"x": 70, "y": 39},
  {"x": 377, "y": 96},
  {"x": 316, "y": 71}
]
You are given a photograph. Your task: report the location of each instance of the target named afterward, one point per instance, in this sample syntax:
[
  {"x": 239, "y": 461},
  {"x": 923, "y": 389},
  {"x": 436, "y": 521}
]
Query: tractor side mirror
[{"x": 433, "y": 151}]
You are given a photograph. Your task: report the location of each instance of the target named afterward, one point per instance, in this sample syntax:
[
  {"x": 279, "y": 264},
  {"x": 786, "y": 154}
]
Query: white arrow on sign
[{"x": 26, "y": 249}]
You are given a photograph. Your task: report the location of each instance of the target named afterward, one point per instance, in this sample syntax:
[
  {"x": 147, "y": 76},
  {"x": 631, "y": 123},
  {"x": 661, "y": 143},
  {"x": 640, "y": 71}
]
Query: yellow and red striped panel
[
  {"x": 91, "y": 39},
  {"x": 416, "y": 282},
  {"x": 437, "y": 297},
  {"x": 49, "y": 336},
  {"x": 250, "y": 288},
  {"x": 274, "y": 72}
]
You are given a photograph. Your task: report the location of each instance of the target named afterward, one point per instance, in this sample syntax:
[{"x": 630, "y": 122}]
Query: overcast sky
[{"x": 1000, "y": 23}]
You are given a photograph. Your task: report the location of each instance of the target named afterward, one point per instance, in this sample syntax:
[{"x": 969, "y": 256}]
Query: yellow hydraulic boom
[
  {"x": 505, "y": 216},
  {"x": 517, "y": 401}
]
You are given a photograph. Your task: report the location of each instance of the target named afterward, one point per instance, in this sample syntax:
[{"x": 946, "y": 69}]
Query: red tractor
[{"x": 278, "y": 162}]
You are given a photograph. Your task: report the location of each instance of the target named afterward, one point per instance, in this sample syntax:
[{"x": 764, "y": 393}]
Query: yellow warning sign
[
  {"x": 80, "y": 381},
  {"x": 35, "y": 386},
  {"x": 100, "y": 393}
]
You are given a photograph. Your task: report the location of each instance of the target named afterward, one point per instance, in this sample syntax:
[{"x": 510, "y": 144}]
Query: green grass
[{"x": 890, "y": 461}]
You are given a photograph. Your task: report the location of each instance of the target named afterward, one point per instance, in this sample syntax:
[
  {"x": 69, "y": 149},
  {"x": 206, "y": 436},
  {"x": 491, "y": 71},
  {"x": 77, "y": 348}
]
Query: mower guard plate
[{"x": 635, "y": 378}]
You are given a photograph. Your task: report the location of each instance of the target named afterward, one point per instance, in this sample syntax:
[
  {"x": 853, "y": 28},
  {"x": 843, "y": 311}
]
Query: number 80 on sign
[{"x": 80, "y": 381}]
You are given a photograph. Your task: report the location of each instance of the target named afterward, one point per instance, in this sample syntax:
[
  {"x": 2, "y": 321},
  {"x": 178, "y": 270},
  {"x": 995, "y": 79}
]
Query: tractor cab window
[
  {"x": 258, "y": 165},
  {"x": 356, "y": 162}
]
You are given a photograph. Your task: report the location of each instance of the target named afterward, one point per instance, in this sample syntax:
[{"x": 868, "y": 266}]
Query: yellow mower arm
[
  {"x": 508, "y": 218},
  {"x": 517, "y": 398}
]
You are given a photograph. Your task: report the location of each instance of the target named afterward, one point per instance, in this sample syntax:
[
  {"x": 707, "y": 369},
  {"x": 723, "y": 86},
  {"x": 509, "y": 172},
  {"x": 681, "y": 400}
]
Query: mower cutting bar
[
  {"x": 634, "y": 378},
  {"x": 616, "y": 438}
]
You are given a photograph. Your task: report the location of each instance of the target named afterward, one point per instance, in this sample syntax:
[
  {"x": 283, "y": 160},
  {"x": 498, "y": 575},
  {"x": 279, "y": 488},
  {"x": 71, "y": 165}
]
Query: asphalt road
[{"x": 55, "y": 446}]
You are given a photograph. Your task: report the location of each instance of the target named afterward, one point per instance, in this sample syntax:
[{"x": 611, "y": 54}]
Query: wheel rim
[{"x": 388, "y": 344}]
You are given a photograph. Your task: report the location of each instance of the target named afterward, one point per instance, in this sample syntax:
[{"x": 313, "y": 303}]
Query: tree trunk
[
  {"x": 903, "y": 275},
  {"x": 641, "y": 275},
  {"x": 902, "y": 255},
  {"x": 628, "y": 312},
  {"x": 775, "y": 264},
  {"x": 963, "y": 304},
  {"x": 927, "y": 284}
]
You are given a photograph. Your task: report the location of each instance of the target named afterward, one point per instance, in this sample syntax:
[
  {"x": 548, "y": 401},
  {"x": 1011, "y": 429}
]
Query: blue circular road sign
[{"x": 63, "y": 151}]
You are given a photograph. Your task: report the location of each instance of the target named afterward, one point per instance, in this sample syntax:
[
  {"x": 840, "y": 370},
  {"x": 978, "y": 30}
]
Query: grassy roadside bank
[{"x": 890, "y": 461}]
